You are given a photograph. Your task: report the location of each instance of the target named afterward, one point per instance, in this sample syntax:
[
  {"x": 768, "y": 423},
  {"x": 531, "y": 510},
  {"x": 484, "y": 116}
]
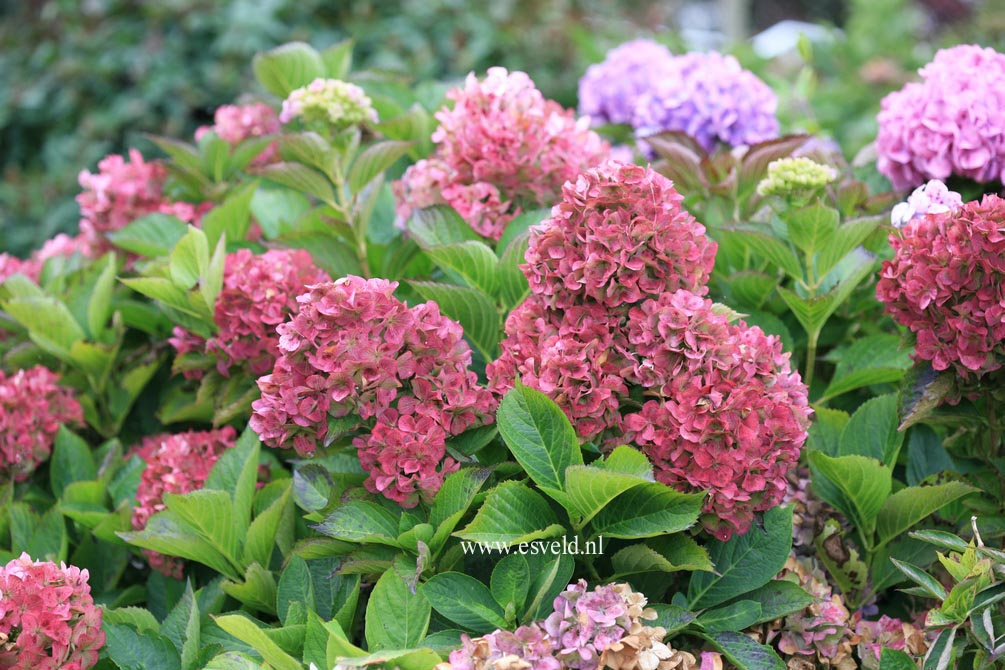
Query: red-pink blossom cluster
[
  {"x": 396, "y": 376},
  {"x": 122, "y": 191},
  {"x": 947, "y": 284},
  {"x": 32, "y": 406},
  {"x": 235, "y": 123},
  {"x": 48, "y": 619},
  {"x": 60, "y": 245},
  {"x": 259, "y": 293},
  {"x": 502, "y": 148},
  {"x": 616, "y": 319},
  {"x": 176, "y": 463}
]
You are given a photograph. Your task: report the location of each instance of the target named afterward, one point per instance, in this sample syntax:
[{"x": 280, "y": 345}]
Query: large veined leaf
[
  {"x": 438, "y": 226},
  {"x": 465, "y": 601},
  {"x": 646, "y": 511},
  {"x": 511, "y": 513},
  {"x": 908, "y": 506},
  {"x": 472, "y": 260},
  {"x": 855, "y": 485},
  {"x": 396, "y": 617},
  {"x": 373, "y": 160},
  {"x": 288, "y": 67}
]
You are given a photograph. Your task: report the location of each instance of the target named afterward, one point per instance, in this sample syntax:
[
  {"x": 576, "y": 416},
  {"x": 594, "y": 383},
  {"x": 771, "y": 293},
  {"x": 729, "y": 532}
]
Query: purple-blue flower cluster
[{"x": 609, "y": 90}]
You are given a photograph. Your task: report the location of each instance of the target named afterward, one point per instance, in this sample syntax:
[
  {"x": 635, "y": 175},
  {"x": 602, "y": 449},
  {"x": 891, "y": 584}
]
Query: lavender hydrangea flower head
[
  {"x": 949, "y": 123},
  {"x": 933, "y": 197},
  {"x": 609, "y": 90},
  {"x": 711, "y": 98}
]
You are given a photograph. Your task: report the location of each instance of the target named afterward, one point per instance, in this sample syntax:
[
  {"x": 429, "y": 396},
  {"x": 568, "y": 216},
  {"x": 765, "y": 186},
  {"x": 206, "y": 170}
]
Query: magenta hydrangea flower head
[
  {"x": 32, "y": 407},
  {"x": 175, "y": 463},
  {"x": 395, "y": 376},
  {"x": 503, "y": 147},
  {"x": 710, "y": 97},
  {"x": 949, "y": 123},
  {"x": 933, "y": 197},
  {"x": 609, "y": 90},
  {"x": 236, "y": 123},
  {"x": 48, "y": 619},
  {"x": 618, "y": 235},
  {"x": 259, "y": 293},
  {"x": 945, "y": 283}
]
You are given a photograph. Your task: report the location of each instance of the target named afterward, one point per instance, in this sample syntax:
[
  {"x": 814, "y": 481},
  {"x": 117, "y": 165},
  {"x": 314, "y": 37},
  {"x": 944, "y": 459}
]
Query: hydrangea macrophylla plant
[
  {"x": 32, "y": 407},
  {"x": 609, "y": 90},
  {"x": 890, "y": 633},
  {"x": 945, "y": 284},
  {"x": 710, "y": 97},
  {"x": 933, "y": 197},
  {"x": 259, "y": 293},
  {"x": 357, "y": 355},
  {"x": 331, "y": 102},
  {"x": 503, "y": 147},
  {"x": 236, "y": 123},
  {"x": 949, "y": 123},
  {"x": 792, "y": 175},
  {"x": 175, "y": 463},
  {"x": 48, "y": 619}
]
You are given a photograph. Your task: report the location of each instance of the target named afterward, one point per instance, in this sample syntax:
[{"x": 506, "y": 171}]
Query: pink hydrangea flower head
[
  {"x": 618, "y": 235},
  {"x": 946, "y": 282},
  {"x": 503, "y": 147},
  {"x": 32, "y": 407},
  {"x": 175, "y": 463},
  {"x": 933, "y": 197},
  {"x": 609, "y": 90},
  {"x": 395, "y": 376},
  {"x": 949, "y": 123},
  {"x": 12, "y": 265},
  {"x": 731, "y": 416},
  {"x": 710, "y": 97},
  {"x": 236, "y": 123},
  {"x": 48, "y": 619},
  {"x": 329, "y": 101},
  {"x": 259, "y": 293},
  {"x": 891, "y": 633}
]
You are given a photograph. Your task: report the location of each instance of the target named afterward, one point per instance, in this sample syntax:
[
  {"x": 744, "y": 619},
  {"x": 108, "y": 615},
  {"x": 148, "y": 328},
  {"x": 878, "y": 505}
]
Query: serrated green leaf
[
  {"x": 772, "y": 250},
  {"x": 472, "y": 260},
  {"x": 734, "y": 616},
  {"x": 465, "y": 601},
  {"x": 361, "y": 521},
  {"x": 338, "y": 61},
  {"x": 288, "y": 67},
  {"x": 300, "y": 178},
  {"x": 210, "y": 514},
  {"x": 231, "y": 218},
  {"x": 745, "y": 653},
  {"x": 153, "y": 235},
  {"x": 646, "y": 511},
  {"x": 847, "y": 236},
  {"x": 510, "y": 582},
  {"x": 513, "y": 284},
  {"x": 131, "y": 650},
  {"x": 589, "y": 489},
  {"x": 262, "y": 533},
  {"x": 182, "y": 627},
  {"x": 812, "y": 228},
  {"x": 189, "y": 259},
  {"x": 100, "y": 304},
  {"x": 236, "y": 472},
  {"x": 373, "y": 161},
  {"x": 245, "y": 630},
  {"x": 910, "y": 505},
  {"x": 396, "y": 618},
  {"x": 872, "y": 431},
  {"x": 922, "y": 578},
  {"x": 439, "y": 226},
  {"x": 71, "y": 461},
  {"x": 779, "y": 598},
  {"x": 50, "y": 324},
  {"x": 296, "y": 585},
  {"x": 855, "y": 485},
  {"x": 511, "y": 513},
  {"x": 167, "y": 534}
]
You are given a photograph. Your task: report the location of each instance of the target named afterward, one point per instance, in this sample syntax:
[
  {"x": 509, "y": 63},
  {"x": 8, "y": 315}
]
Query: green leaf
[
  {"x": 744, "y": 562},
  {"x": 361, "y": 521},
  {"x": 130, "y": 650},
  {"x": 825, "y": 433},
  {"x": 396, "y": 618},
  {"x": 940, "y": 653},
  {"x": 472, "y": 260},
  {"x": 855, "y": 485},
  {"x": 160, "y": 288},
  {"x": 848, "y": 235},
  {"x": 210, "y": 514},
  {"x": 671, "y": 617},
  {"x": 308, "y": 148},
  {"x": 189, "y": 258},
  {"x": 233, "y": 660},
  {"x": 646, "y": 511},
  {"x": 911, "y": 505},
  {"x": 895, "y": 659},
  {"x": 465, "y": 601},
  {"x": 245, "y": 630},
  {"x": 330, "y": 253},
  {"x": 50, "y": 324},
  {"x": 872, "y": 431},
  {"x": 312, "y": 486},
  {"x": 406, "y": 659},
  {"x": 474, "y": 310},
  {"x": 182, "y": 627},
  {"x": 231, "y": 218},
  {"x": 373, "y": 160},
  {"x": 772, "y": 250},
  {"x": 510, "y": 582},
  {"x": 300, "y": 178},
  {"x": 922, "y": 579},
  {"x": 589, "y": 489},
  {"x": 925, "y": 455},
  {"x": 812, "y": 313},
  {"x": 734, "y": 616},
  {"x": 71, "y": 461},
  {"x": 296, "y": 585},
  {"x": 100, "y": 303},
  {"x": 288, "y": 67},
  {"x": 745, "y": 653},
  {"x": 263, "y": 531},
  {"x": 236, "y": 472},
  {"x": 513, "y": 285},
  {"x": 549, "y": 578},
  {"x": 167, "y": 534},
  {"x": 276, "y": 209},
  {"x": 439, "y": 226},
  {"x": 671, "y": 553},
  {"x": 629, "y": 461},
  {"x": 519, "y": 227},
  {"x": 539, "y": 435},
  {"x": 779, "y": 598},
  {"x": 511, "y": 513},
  {"x": 812, "y": 228},
  {"x": 257, "y": 590},
  {"x": 152, "y": 235},
  {"x": 338, "y": 61}
]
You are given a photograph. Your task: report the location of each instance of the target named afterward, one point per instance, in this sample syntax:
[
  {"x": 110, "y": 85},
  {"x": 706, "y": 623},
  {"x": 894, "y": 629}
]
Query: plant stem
[{"x": 811, "y": 358}]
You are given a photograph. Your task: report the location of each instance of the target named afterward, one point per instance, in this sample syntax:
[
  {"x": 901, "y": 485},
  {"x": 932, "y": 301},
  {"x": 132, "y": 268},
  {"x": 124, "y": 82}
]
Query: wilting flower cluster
[
  {"x": 949, "y": 123},
  {"x": 891, "y": 633},
  {"x": 48, "y": 619},
  {"x": 616, "y": 318},
  {"x": 609, "y": 90},
  {"x": 331, "y": 102},
  {"x": 176, "y": 463},
  {"x": 356, "y": 355},
  {"x": 933, "y": 197},
  {"x": 502, "y": 148},
  {"x": 793, "y": 175},
  {"x": 587, "y": 630},
  {"x": 259, "y": 293},
  {"x": 710, "y": 97},
  {"x": 236, "y": 123},
  {"x": 32, "y": 407},
  {"x": 122, "y": 191},
  {"x": 947, "y": 284}
]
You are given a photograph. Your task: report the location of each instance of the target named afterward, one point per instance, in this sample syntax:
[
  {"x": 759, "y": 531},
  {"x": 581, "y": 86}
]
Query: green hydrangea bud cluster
[{"x": 791, "y": 175}]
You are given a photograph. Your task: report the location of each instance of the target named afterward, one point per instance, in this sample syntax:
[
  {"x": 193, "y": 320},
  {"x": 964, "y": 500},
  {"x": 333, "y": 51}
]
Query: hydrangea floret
[
  {"x": 710, "y": 97},
  {"x": 397, "y": 377},
  {"x": 331, "y": 102},
  {"x": 949, "y": 123},
  {"x": 48, "y": 619},
  {"x": 933, "y": 197},
  {"x": 945, "y": 284},
  {"x": 259, "y": 293},
  {"x": 609, "y": 91},
  {"x": 502, "y": 148},
  {"x": 795, "y": 175},
  {"x": 617, "y": 332},
  {"x": 32, "y": 407},
  {"x": 890, "y": 633},
  {"x": 236, "y": 123},
  {"x": 175, "y": 463}
]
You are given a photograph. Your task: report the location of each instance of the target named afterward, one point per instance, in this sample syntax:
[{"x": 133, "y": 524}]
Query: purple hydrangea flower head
[
  {"x": 949, "y": 123},
  {"x": 609, "y": 90},
  {"x": 710, "y": 97}
]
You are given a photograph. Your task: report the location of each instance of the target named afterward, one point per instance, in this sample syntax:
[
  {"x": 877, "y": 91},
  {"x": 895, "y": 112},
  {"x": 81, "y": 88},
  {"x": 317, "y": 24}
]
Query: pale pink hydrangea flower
[
  {"x": 48, "y": 619},
  {"x": 502, "y": 148},
  {"x": 397, "y": 376},
  {"x": 933, "y": 197},
  {"x": 176, "y": 463},
  {"x": 235, "y": 123},
  {"x": 32, "y": 407}
]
